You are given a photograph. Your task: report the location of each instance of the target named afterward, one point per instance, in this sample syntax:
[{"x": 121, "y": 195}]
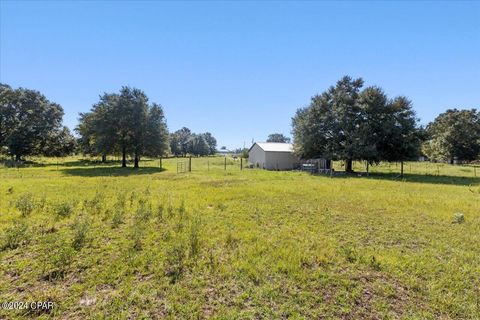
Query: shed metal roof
[{"x": 275, "y": 146}]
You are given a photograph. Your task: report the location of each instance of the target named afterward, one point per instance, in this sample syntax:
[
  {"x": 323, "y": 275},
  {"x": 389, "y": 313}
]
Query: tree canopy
[
  {"x": 124, "y": 123},
  {"x": 184, "y": 141},
  {"x": 277, "y": 137},
  {"x": 30, "y": 124},
  {"x": 348, "y": 123},
  {"x": 454, "y": 134}
]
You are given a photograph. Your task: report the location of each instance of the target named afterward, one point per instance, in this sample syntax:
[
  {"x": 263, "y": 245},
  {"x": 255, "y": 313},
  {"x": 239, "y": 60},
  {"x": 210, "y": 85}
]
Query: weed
[
  {"x": 159, "y": 212},
  {"x": 95, "y": 205},
  {"x": 80, "y": 231},
  {"x": 144, "y": 211},
  {"x": 117, "y": 218},
  {"x": 194, "y": 237},
  {"x": 63, "y": 209},
  {"x": 25, "y": 204},
  {"x": 175, "y": 261},
  {"x": 15, "y": 236},
  {"x": 57, "y": 258}
]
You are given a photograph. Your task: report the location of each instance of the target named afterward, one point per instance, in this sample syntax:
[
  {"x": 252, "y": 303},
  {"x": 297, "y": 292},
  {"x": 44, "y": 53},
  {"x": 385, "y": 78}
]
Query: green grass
[{"x": 105, "y": 242}]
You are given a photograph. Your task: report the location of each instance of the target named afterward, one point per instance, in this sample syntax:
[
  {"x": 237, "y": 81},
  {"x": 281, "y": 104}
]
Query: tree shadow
[
  {"x": 417, "y": 178},
  {"x": 102, "y": 171}
]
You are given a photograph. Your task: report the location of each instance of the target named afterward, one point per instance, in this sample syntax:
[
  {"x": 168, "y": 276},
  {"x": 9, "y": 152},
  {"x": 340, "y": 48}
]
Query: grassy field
[{"x": 105, "y": 242}]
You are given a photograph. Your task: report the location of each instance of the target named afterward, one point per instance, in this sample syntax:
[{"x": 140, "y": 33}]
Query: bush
[
  {"x": 25, "y": 204},
  {"x": 95, "y": 205},
  {"x": 80, "y": 231},
  {"x": 57, "y": 257},
  {"x": 144, "y": 211},
  {"x": 63, "y": 209},
  {"x": 15, "y": 236},
  {"x": 117, "y": 218},
  {"x": 175, "y": 262}
]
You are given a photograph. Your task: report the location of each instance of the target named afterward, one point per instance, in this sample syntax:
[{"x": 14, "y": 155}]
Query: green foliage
[
  {"x": 25, "y": 204},
  {"x": 80, "y": 231},
  {"x": 14, "y": 236},
  {"x": 278, "y": 137},
  {"x": 57, "y": 257},
  {"x": 30, "y": 124},
  {"x": 175, "y": 261},
  {"x": 454, "y": 134},
  {"x": 124, "y": 123},
  {"x": 63, "y": 209},
  {"x": 348, "y": 123}
]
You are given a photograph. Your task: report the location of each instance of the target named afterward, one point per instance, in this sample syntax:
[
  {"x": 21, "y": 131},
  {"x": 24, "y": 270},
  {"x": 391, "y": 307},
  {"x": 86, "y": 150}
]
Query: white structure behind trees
[{"x": 272, "y": 156}]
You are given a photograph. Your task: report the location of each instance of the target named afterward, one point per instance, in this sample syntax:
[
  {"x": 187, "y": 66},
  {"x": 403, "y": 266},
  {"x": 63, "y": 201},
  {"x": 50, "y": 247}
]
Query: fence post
[
  {"x": 160, "y": 162},
  {"x": 225, "y": 163},
  {"x": 241, "y": 163},
  {"x": 190, "y": 164}
]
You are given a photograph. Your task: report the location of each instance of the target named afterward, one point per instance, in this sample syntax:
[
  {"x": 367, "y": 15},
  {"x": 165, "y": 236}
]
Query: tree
[
  {"x": 28, "y": 120},
  {"x": 156, "y": 136},
  {"x": 175, "y": 147},
  {"x": 329, "y": 126},
  {"x": 348, "y": 123},
  {"x": 183, "y": 135},
  {"x": 124, "y": 123},
  {"x": 454, "y": 134},
  {"x": 60, "y": 143},
  {"x": 197, "y": 145},
  {"x": 278, "y": 137},
  {"x": 211, "y": 142}
]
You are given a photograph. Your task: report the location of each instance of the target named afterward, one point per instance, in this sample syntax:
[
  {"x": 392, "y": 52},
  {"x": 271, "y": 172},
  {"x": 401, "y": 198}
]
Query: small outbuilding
[{"x": 273, "y": 156}]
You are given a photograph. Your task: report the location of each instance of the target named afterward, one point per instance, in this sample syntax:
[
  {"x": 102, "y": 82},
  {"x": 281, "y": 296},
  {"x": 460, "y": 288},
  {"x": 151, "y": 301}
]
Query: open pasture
[{"x": 99, "y": 240}]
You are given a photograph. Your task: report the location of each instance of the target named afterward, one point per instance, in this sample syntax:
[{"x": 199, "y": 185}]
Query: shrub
[
  {"x": 137, "y": 237},
  {"x": 15, "y": 236},
  {"x": 144, "y": 211},
  {"x": 175, "y": 261},
  {"x": 25, "y": 204},
  {"x": 117, "y": 218},
  {"x": 57, "y": 258},
  {"x": 194, "y": 237},
  {"x": 63, "y": 209},
  {"x": 96, "y": 203},
  {"x": 80, "y": 231}
]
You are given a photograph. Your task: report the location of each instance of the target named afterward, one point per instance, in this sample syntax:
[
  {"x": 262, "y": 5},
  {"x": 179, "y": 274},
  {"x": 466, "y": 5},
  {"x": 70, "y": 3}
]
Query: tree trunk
[
  {"x": 104, "y": 158},
  {"x": 124, "y": 158},
  {"x": 135, "y": 161},
  {"x": 348, "y": 165},
  {"x": 401, "y": 168},
  {"x": 18, "y": 157}
]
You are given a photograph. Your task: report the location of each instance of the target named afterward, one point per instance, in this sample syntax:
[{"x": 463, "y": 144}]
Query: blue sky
[{"x": 241, "y": 69}]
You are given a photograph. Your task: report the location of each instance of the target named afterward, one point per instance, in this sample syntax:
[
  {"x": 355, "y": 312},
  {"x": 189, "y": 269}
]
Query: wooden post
[
  {"x": 190, "y": 164},
  {"x": 161, "y": 167},
  {"x": 367, "y": 169},
  {"x": 401, "y": 168},
  {"x": 241, "y": 163},
  {"x": 225, "y": 163}
]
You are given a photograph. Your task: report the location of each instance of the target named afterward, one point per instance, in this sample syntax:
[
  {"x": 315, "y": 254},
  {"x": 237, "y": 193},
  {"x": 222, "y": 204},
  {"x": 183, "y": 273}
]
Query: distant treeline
[{"x": 346, "y": 122}]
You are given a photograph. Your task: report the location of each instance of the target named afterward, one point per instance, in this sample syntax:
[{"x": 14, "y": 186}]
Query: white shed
[{"x": 272, "y": 156}]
